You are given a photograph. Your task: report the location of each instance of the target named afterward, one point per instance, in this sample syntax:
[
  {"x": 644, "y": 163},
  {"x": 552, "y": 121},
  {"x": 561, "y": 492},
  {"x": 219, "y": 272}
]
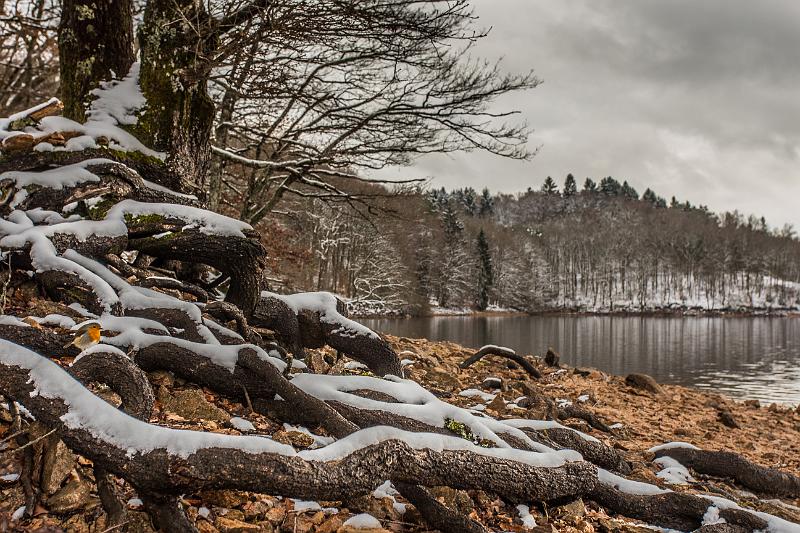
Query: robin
[{"x": 87, "y": 335}]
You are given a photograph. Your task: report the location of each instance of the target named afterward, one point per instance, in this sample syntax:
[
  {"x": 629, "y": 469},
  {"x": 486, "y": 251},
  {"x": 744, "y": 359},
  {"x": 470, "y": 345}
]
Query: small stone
[
  {"x": 444, "y": 380},
  {"x": 191, "y": 404},
  {"x": 276, "y": 515},
  {"x": 381, "y": 508},
  {"x": 204, "y": 526},
  {"x": 572, "y": 510},
  {"x": 295, "y": 438},
  {"x": 74, "y": 496},
  {"x": 58, "y": 463},
  {"x": 552, "y": 358},
  {"x": 775, "y": 408},
  {"x": 227, "y": 499},
  {"x": 727, "y": 419},
  {"x": 497, "y": 405},
  {"x": 752, "y": 403},
  {"x": 230, "y": 525},
  {"x": 492, "y": 383},
  {"x": 253, "y": 510},
  {"x": 643, "y": 382}
]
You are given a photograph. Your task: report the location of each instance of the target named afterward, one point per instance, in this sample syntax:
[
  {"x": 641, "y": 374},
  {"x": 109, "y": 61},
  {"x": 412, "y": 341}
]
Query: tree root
[
  {"x": 355, "y": 473},
  {"x": 503, "y": 352},
  {"x": 438, "y": 516},
  {"x": 734, "y": 466},
  {"x": 674, "y": 510}
]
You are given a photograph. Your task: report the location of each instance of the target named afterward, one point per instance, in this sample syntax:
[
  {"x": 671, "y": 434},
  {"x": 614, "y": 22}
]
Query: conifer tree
[
  {"x": 549, "y": 186},
  {"x": 486, "y": 204},
  {"x": 610, "y": 187},
  {"x": 570, "y": 188},
  {"x": 485, "y": 272},
  {"x": 589, "y": 185},
  {"x": 629, "y": 192}
]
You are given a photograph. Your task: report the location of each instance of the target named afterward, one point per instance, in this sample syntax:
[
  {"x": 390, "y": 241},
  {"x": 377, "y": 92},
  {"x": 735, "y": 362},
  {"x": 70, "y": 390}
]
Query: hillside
[{"x": 602, "y": 249}]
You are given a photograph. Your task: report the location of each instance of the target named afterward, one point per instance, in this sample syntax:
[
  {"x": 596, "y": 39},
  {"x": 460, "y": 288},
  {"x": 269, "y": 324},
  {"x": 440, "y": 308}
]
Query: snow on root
[
  {"x": 323, "y": 303},
  {"x": 106, "y": 423}
]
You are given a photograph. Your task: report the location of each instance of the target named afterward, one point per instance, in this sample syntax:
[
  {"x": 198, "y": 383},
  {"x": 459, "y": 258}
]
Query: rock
[
  {"x": 58, "y": 462},
  {"x": 293, "y": 438},
  {"x": 571, "y": 510},
  {"x": 230, "y": 525},
  {"x": 457, "y": 500},
  {"x": 204, "y": 526},
  {"x": 492, "y": 383},
  {"x": 752, "y": 403},
  {"x": 583, "y": 372},
  {"x": 551, "y": 358},
  {"x": 445, "y": 380},
  {"x": 256, "y": 510},
  {"x": 276, "y": 515},
  {"x": 227, "y": 499},
  {"x": 162, "y": 377},
  {"x": 74, "y": 496},
  {"x": 380, "y": 508},
  {"x": 332, "y": 525},
  {"x": 727, "y": 419},
  {"x": 497, "y": 405},
  {"x": 191, "y": 404},
  {"x": 643, "y": 382}
]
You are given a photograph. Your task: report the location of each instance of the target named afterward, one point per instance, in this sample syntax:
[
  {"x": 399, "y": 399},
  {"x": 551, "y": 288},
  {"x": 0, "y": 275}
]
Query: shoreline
[
  {"x": 765, "y": 433},
  {"x": 664, "y": 313}
]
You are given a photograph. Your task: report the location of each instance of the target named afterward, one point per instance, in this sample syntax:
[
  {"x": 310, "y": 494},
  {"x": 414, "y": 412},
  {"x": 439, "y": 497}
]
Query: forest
[{"x": 598, "y": 248}]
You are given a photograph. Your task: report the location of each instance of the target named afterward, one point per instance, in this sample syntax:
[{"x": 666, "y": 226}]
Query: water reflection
[{"x": 747, "y": 358}]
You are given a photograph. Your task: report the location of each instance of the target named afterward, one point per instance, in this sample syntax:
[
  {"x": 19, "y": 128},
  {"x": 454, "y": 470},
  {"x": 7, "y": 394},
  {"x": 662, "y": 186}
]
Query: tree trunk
[
  {"x": 176, "y": 46},
  {"x": 95, "y": 41}
]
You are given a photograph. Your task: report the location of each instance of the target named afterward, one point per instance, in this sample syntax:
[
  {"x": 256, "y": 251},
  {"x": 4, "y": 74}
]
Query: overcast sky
[{"x": 694, "y": 98}]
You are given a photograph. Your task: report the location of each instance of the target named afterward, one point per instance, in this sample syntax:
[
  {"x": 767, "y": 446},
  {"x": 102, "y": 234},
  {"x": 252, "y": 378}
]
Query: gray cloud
[{"x": 695, "y": 99}]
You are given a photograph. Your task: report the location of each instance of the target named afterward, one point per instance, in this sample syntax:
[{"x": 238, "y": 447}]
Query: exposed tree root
[
  {"x": 734, "y": 466},
  {"x": 503, "y": 352},
  {"x": 438, "y": 516},
  {"x": 672, "y": 510}
]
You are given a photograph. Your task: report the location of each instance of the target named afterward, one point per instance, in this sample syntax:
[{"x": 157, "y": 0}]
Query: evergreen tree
[
  {"x": 469, "y": 198},
  {"x": 570, "y": 188},
  {"x": 629, "y": 192},
  {"x": 610, "y": 187},
  {"x": 589, "y": 185},
  {"x": 549, "y": 186},
  {"x": 649, "y": 196},
  {"x": 485, "y": 272},
  {"x": 486, "y": 204}
]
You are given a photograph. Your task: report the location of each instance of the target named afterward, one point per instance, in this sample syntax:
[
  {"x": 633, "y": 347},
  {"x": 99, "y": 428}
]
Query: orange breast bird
[{"x": 87, "y": 335}]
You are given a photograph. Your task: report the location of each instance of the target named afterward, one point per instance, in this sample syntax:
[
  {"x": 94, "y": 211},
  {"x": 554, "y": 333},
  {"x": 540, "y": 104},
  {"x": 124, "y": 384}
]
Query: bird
[{"x": 87, "y": 335}]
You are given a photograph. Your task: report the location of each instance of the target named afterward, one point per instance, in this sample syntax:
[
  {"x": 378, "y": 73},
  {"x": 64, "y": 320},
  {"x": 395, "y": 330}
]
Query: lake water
[{"x": 747, "y": 358}]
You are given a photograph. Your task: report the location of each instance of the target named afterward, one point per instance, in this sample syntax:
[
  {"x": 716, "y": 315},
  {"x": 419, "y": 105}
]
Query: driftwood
[{"x": 506, "y": 353}]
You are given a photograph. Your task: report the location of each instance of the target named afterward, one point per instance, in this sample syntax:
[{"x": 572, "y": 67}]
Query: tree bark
[
  {"x": 175, "y": 49},
  {"x": 95, "y": 42}
]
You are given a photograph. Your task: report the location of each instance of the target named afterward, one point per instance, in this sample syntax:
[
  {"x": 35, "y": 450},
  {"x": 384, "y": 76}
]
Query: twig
[
  {"x": 31, "y": 443},
  {"x": 247, "y": 398}
]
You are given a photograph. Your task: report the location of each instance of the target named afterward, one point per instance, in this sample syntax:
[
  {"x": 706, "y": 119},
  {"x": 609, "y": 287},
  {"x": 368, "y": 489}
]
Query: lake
[{"x": 747, "y": 358}]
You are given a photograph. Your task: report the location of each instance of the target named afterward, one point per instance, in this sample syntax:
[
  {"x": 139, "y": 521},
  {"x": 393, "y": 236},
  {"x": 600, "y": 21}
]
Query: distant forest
[{"x": 595, "y": 247}]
